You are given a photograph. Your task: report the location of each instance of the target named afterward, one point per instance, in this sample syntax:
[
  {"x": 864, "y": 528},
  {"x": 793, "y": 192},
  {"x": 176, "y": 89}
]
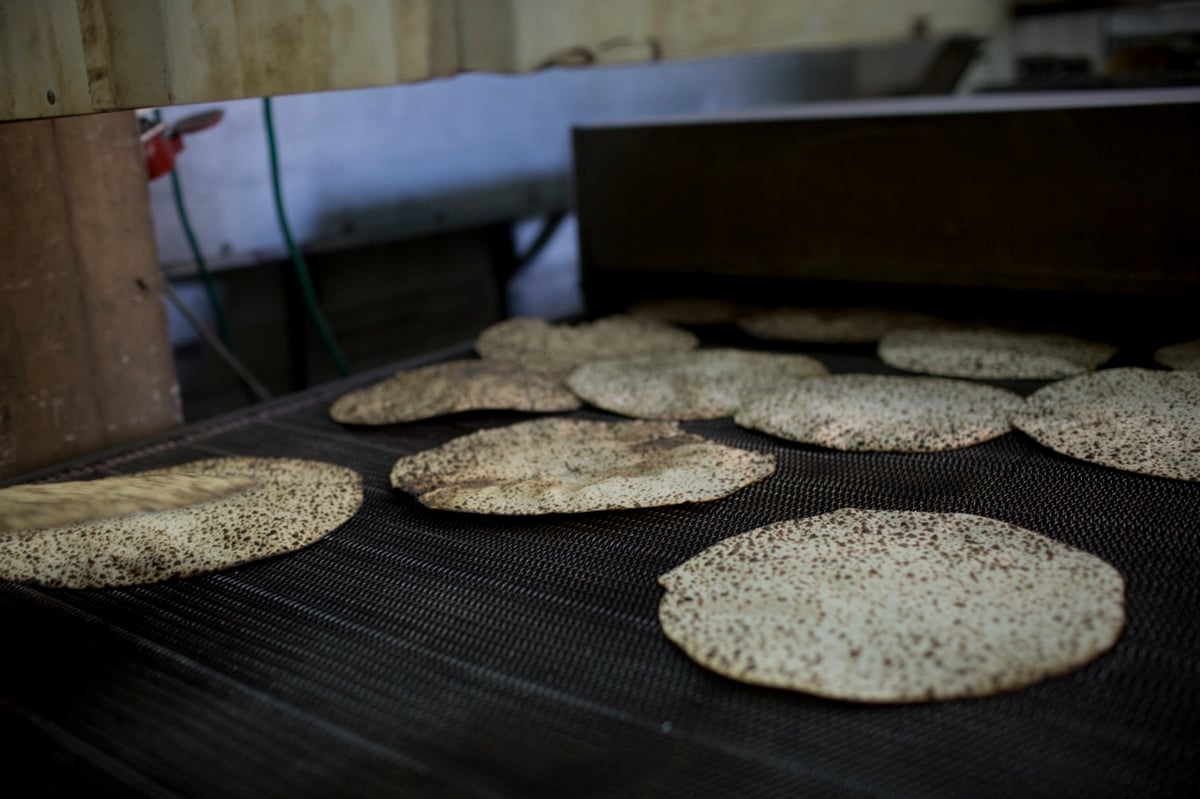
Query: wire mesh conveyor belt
[{"x": 416, "y": 652}]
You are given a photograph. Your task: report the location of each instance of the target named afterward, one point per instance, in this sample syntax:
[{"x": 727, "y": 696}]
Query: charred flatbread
[
  {"x": 556, "y": 349},
  {"x": 557, "y": 465},
  {"x": 1139, "y": 420},
  {"x": 991, "y": 353},
  {"x": 290, "y": 504},
  {"x": 689, "y": 310},
  {"x": 698, "y": 384},
  {"x": 1185, "y": 355},
  {"x": 452, "y": 387},
  {"x": 893, "y": 606},
  {"x": 883, "y": 413},
  {"x": 830, "y": 325}
]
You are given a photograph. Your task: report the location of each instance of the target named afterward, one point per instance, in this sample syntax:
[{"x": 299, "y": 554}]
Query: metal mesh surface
[{"x": 418, "y": 652}]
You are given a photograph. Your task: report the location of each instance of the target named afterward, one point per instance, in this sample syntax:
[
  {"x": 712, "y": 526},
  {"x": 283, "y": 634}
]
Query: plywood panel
[
  {"x": 580, "y": 31},
  {"x": 42, "y": 66},
  {"x": 100, "y": 55}
]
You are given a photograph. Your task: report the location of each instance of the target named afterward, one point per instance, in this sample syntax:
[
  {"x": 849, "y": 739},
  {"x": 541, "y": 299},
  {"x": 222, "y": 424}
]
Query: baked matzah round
[
  {"x": 573, "y": 466},
  {"x": 698, "y": 384},
  {"x": 55, "y": 504},
  {"x": 893, "y": 606},
  {"x": 452, "y": 387},
  {"x": 830, "y": 325},
  {"x": 291, "y": 504},
  {"x": 1184, "y": 355},
  {"x": 991, "y": 354},
  {"x": 688, "y": 310},
  {"x": 557, "y": 349},
  {"x": 1139, "y": 420},
  {"x": 883, "y": 413}
]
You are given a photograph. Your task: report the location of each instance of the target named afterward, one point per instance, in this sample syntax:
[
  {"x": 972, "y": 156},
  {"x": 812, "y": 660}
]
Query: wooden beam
[
  {"x": 61, "y": 57},
  {"x": 85, "y": 360}
]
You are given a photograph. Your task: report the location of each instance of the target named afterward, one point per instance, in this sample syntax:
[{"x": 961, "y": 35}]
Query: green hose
[
  {"x": 305, "y": 280},
  {"x": 210, "y": 288}
]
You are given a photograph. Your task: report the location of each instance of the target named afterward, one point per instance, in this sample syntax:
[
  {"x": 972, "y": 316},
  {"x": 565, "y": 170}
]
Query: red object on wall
[{"x": 160, "y": 142}]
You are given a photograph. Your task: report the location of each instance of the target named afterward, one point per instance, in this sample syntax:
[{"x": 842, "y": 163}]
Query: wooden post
[{"x": 85, "y": 359}]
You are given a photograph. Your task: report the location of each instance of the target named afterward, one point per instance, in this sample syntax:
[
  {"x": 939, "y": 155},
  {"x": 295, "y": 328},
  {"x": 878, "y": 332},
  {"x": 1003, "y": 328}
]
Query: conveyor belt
[{"x": 416, "y": 652}]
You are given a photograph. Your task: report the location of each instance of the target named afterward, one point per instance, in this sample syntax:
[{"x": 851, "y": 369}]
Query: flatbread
[
  {"x": 55, "y": 504},
  {"x": 893, "y": 606},
  {"x": 557, "y": 465},
  {"x": 830, "y": 325},
  {"x": 291, "y": 504},
  {"x": 698, "y": 384},
  {"x": 557, "y": 349},
  {"x": 689, "y": 310},
  {"x": 883, "y": 413},
  {"x": 991, "y": 354},
  {"x": 1184, "y": 355},
  {"x": 1139, "y": 420},
  {"x": 452, "y": 387}
]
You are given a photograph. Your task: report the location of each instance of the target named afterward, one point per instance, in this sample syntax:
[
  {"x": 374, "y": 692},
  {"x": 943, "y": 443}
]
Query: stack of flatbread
[
  {"x": 831, "y": 325},
  {"x": 883, "y": 413},
  {"x": 1185, "y": 355},
  {"x": 694, "y": 384},
  {"x": 690, "y": 310},
  {"x": 556, "y": 349},
  {"x": 558, "y": 465},
  {"x": 452, "y": 387},
  {"x": 991, "y": 354}
]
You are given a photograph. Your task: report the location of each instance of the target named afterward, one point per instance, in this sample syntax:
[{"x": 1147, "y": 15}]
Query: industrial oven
[{"x": 418, "y": 652}]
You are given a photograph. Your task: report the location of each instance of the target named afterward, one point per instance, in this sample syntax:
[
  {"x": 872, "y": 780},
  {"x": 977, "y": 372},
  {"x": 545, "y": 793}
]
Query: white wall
[{"x": 386, "y": 163}]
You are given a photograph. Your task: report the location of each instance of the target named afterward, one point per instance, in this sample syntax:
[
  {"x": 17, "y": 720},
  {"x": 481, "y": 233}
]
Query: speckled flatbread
[
  {"x": 453, "y": 387},
  {"x": 883, "y": 413},
  {"x": 291, "y": 504},
  {"x": 1184, "y": 356},
  {"x": 893, "y": 606},
  {"x": 559, "y": 465},
  {"x": 689, "y": 310},
  {"x": 698, "y": 384},
  {"x": 557, "y": 349},
  {"x": 830, "y": 325},
  {"x": 55, "y": 504},
  {"x": 991, "y": 354},
  {"x": 1139, "y": 420}
]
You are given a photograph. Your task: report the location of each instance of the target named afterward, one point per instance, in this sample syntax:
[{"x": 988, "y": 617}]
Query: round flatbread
[
  {"x": 698, "y": 384},
  {"x": 571, "y": 466},
  {"x": 689, "y": 310},
  {"x": 1139, "y": 420},
  {"x": 991, "y": 354},
  {"x": 893, "y": 606},
  {"x": 55, "y": 504},
  {"x": 557, "y": 349},
  {"x": 291, "y": 504},
  {"x": 1184, "y": 356},
  {"x": 883, "y": 413},
  {"x": 830, "y": 325},
  {"x": 452, "y": 387}
]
